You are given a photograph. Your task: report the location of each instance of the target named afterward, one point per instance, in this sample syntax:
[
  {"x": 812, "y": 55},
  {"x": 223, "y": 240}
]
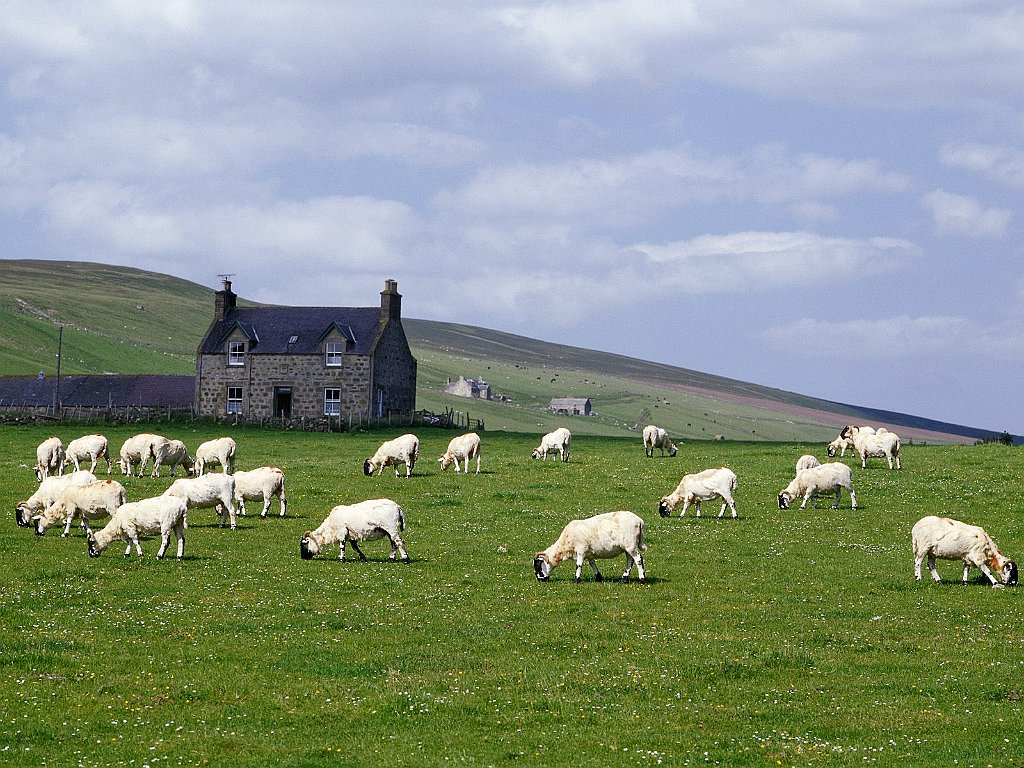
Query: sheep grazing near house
[
  {"x": 171, "y": 453},
  {"x": 93, "y": 501},
  {"x": 840, "y": 445},
  {"x": 92, "y": 447},
  {"x": 220, "y": 451},
  {"x": 139, "y": 449},
  {"x": 885, "y": 444},
  {"x": 824, "y": 478},
  {"x": 947, "y": 539},
  {"x": 160, "y": 514},
  {"x": 216, "y": 490},
  {"x": 48, "y": 492},
  {"x": 560, "y": 440},
  {"x": 806, "y": 462},
  {"x": 263, "y": 483},
  {"x": 404, "y": 449},
  {"x": 656, "y": 437},
  {"x": 352, "y": 523},
  {"x": 601, "y": 536},
  {"x": 464, "y": 447},
  {"x": 702, "y": 486},
  {"x": 49, "y": 458}
]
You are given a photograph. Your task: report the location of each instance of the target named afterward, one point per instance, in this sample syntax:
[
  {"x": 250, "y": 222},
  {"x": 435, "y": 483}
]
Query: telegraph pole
[{"x": 56, "y": 391}]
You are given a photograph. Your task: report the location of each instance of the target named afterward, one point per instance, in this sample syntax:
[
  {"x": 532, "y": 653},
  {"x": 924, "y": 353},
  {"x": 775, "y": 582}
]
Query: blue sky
[{"x": 821, "y": 197}]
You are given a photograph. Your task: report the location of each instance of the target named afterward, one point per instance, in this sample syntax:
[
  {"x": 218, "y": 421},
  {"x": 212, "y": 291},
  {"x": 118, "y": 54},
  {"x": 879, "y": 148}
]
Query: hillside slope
[{"x": 124, "y": 320}]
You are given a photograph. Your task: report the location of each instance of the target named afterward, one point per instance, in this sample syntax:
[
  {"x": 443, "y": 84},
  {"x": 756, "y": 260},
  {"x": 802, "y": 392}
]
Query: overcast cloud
[{"x": 819, "y": 197}]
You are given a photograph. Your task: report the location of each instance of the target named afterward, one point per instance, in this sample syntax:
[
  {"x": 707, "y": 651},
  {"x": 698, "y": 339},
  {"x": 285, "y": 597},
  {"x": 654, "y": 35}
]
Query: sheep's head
[
  {"x": 1010, "y": 573},
  {"x": 831, "y": 450},
  {"x": 542, "y": 567},
  {"x": 21, "y": 516},
  {"x": 445, "y": 461},
  {"x": 308, "y": 547},
  {"x": 40, "y": 522},
  {"x": 666, "y": 506},
  {"x": 784, "y": 500},
  {"x": 367, "y": 467},
  {"x": 39, "y": 473},
  {"x": 672, "y": 449},
  {"x": 847, "y": 431},
  {"x": 90, "y": 542},
  {"x": 535, "y": 454}
]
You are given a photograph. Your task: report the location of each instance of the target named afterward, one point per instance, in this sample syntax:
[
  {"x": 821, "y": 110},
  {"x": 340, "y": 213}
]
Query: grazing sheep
[
  {"x": 365, "y": 521},
  {"x": 160, "y": 514},
  {"x": 139, "y": 449},
  {"x": 92, "y": 447},
  {"x": 824, "y": 478},
  {"x": 806, "y": 462},
  {"x": 839, "y": 445},
  {"x": 173, "y": 452},
  {"x": 601, "y": 536},
  {"x": 48, "y": 493},
  {"x": 463, "y": 447},
  {"x": 942, "y": 537},
  {"x": 560, "y": 440},
  {"x": 220, "y": 451},
  {"x": 216, "y": 490},
  {"x": 880, "y": 443},
  {"x": 262, "y": 483},
  {"x": 404, "y": 449},
  {"x": 702, "y": 486},
  {"x": 49, "y": 458},
  {"x": 93, "y": 501},
  {"x": 656, "y": 437},
  {"x": 847, "y": 431}
]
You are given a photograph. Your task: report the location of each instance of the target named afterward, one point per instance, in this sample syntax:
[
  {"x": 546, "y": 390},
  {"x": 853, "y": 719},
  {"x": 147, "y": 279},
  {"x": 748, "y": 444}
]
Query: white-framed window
[
  {"x": 332, "y": 402},
  {"x": 234, "y": 400},
  {"x": 332, "y": 353},
  {"x": 236, "y": 353}
]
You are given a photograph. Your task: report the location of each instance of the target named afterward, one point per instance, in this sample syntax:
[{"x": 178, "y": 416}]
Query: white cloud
[
  {"x": 957, "y": 214},
  {"x": 1004, "y": 164}
]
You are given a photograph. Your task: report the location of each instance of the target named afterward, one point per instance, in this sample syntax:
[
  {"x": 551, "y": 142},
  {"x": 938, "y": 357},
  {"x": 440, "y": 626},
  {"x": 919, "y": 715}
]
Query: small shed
[{"x": 572, "y": 406}]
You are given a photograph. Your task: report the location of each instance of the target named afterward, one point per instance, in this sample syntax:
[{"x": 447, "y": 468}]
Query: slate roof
[
  {"x": 270, "y": 329},
  {"x": 144, "y": 390}
]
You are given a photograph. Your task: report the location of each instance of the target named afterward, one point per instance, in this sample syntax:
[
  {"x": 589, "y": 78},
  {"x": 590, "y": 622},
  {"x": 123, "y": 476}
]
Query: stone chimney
[
  {"x": 390, "y": 301},
  {"x": 224, "y": 301}
]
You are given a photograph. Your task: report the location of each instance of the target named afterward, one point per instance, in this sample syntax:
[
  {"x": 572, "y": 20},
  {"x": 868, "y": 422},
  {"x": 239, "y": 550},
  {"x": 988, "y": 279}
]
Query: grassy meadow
[{"x": 779, "y": 638}]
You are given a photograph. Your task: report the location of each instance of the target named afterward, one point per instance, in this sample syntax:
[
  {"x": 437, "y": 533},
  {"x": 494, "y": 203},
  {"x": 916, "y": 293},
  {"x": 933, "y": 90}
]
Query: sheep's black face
[
  {"x": 90, "y": 542},
  {"x": 672, "y": 451},
  {"x": 541, "y": 568},
  {"x": 305, "y": 551},
  {"x": 40, "y": 529},
  {"x": 783, "y": 500},
  {"x": 367, "y": 467},
  {"x": 831, "y": 450},
  {"x": 20, "y": 517},
  {"x": 1011, "y": 574}
]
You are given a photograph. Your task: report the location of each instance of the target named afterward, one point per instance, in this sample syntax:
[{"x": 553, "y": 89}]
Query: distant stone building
[
  {"x": 292, "y": 362},
  {"x": 572, "y": 406},
  {"x": 463, "y": 387}
]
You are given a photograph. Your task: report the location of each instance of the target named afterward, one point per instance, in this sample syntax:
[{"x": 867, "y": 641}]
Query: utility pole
[{"x": 56, "y": 391}]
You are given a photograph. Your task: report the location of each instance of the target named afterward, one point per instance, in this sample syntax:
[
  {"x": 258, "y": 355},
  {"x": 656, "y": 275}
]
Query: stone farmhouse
[
  {"x": 572, "y": 406},
  {"x": 305, "y": 362},
  {"x": 463, "y": 387}
]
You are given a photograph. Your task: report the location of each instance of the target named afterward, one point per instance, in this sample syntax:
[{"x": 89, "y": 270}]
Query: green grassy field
[{"x": 778, "y": 638}]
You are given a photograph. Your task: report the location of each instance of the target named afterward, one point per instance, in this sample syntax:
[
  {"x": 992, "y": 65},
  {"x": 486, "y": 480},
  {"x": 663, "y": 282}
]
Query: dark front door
[{"x": 283, "y": 402}]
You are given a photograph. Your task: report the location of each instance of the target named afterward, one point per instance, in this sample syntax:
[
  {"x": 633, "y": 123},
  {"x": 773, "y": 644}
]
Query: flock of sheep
[{"x": 63, "y": 498}]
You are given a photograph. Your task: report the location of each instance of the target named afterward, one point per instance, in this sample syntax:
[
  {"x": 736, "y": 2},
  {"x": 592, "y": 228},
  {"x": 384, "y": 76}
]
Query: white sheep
[
  {"x": 560, "y": 440},
  {"x": 365, "y": 521},
  {"x": 601, "y": 536},
  {"x": 93, "y": 501},
  {"x": 840, "y": 446},
  {"x": 220, "y": 451},
  {"x": 404, "y": 449},
  {"x": 49, "y": 458},
  {"x": 806, "y": 462},
  {"x": 824, "y": 478},
  {"x": 656, "y": 437},
  {"x": 160, "y": 514},
  {"x": 462, "y": 447},
  {"x": 92, "y": 447},
  {"x": 942, "y": 537},
  {"x": 885, "y": 444},
  {"x": 262, "y": 483},
  {"x": 172, "y": 453},
  {"x": 139, "y": 449},
  {"x": 702, "y": 486},
  {"x": 48, "y": 492},
  {"x": 216, "y": 490}
]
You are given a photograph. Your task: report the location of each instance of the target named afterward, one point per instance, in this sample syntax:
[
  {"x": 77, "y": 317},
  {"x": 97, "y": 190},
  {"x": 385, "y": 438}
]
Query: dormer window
[
  {"x": 236, "y": 353},
  {"x": 332, "y": 353}
]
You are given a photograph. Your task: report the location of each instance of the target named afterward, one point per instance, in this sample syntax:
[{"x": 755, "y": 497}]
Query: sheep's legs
[
  {"x": 593, "y": 564},
  {"x": 931, "y": 568},
  {"x": 397, "y": 545},
  {"x": 356, "y": 548},
  {"x": 639, "y": 560},
  {"x": 839, "y": 495}
]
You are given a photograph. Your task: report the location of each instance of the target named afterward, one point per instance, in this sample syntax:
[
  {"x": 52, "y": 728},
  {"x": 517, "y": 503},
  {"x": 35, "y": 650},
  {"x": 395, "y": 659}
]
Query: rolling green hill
[{"x": 123, "y": 320}]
